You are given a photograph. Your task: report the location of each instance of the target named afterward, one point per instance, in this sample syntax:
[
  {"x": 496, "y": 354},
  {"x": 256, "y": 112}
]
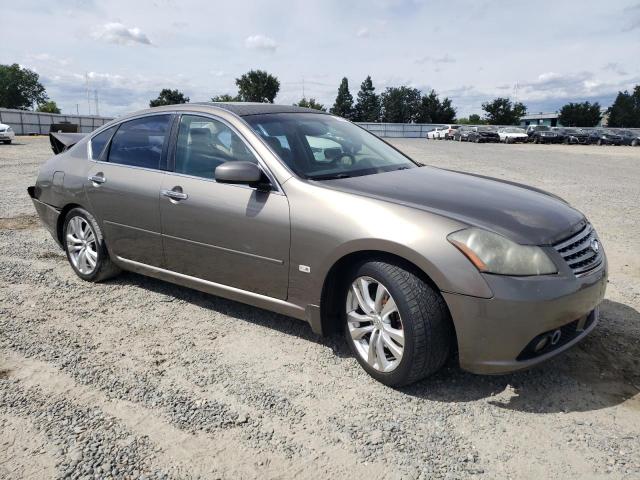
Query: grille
[{"x": 578, "y": 251}]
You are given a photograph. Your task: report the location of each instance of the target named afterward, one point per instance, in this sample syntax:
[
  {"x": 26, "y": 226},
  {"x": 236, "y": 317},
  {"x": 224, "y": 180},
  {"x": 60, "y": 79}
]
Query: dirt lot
[{"x": 136, "y": 377}]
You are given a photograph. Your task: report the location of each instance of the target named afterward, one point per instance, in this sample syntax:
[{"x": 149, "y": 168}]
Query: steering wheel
[{"x": 344, "y": 159}]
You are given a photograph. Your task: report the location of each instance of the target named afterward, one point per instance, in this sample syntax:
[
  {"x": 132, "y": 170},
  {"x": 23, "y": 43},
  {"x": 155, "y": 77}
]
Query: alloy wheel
[
  {"x": 374, "y": 324},
  {"x": 82, "y": 245}
]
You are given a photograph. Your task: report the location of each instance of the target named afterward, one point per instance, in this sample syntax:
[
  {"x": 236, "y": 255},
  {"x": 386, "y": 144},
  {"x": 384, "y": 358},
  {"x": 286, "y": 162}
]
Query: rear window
[
  {"x": 96, "y": 147},
  {"x": 140, "y": 142}
]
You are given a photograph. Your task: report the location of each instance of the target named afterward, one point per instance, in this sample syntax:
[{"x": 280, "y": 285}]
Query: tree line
[{"x": 20, "y": 88}]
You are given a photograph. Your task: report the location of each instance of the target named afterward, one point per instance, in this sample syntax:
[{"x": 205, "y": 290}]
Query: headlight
[{"x": 493, "y": 253}]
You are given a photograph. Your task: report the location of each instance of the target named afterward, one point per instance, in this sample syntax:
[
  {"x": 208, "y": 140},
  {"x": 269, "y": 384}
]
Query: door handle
[
  {"x": 174, "y": 195},
  {"x": 96, "y": 178}
]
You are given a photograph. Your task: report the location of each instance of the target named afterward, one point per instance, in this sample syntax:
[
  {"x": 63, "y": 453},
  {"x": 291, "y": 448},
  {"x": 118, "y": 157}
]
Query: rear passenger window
[
  {"x": 139, "y": 142},
  {"x": 204, "y": 143},
  {"x": 100, "y": 141}
]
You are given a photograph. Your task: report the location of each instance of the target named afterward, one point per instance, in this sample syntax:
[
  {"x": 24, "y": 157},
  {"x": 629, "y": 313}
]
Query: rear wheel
[
  {"x": 634, "y": 143},
  {"x": 85, "y": 247},
  {"x": 397, "y": 325}
]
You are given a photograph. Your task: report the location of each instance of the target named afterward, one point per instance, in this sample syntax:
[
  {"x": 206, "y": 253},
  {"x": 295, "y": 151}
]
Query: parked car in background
[
  {"x": 461, "y": 134},
  {"x": 602, "y": 136},
  {"x": 442, "y": 133},
  {"x": 231, "y": 199},
  {"x": 629, "y": 137},
  {"x": 483, "y": 134},
  {"x": 542, "y": 134},
  {"x": 7, "y": 135},
  {"x": 512, "y": 135},
  {"x": 573, "y": 136}
]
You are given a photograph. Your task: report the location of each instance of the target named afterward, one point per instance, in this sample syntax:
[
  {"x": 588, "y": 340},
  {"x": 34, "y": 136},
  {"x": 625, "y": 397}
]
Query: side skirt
[{"x": 225, "y": 291}]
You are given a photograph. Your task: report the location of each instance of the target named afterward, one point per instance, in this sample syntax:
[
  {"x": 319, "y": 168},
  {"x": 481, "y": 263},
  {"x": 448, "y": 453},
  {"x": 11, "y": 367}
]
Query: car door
[
  {"x": 123, "y": 186},
  {"x": 233, "y": 235}
]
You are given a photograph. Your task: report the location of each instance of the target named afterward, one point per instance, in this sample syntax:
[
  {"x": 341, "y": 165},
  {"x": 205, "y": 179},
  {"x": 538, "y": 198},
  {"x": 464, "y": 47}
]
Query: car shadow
[
  {"x": 236, "y": 310},
  {"x": 601, "y": 371}
]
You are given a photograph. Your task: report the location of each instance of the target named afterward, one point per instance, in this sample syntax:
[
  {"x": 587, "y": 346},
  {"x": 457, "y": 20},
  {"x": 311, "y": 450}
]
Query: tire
[
  {"x": 420, "y": 313},
  {"x": 104, "y": 267},
  {"x": 536, "y": 140},
  {"x": 477, "y": 140},
  {"x": 634, "y": 143}
]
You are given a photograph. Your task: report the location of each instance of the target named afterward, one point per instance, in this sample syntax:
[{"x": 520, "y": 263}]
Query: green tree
[
  {"x": 225, "y": 97},
  {"x": 48, "y": 107},
  {"x": 343, "y": 105},
  {"x": 400, "y": 104},
  {"x": 585, "y": 114},
  {"x": 501, "y": 111},
  {"x": 367, "y": 107},
  {"x": 169, "y": 97},
  {"x": 473, "y": 119},
  {"x": 625, "y": 111},
  {"x": 20, "y": 87},
  {"x": 432, "y": 110},
  {"x": 257, "y": 86},
  {"x": 310, "y": 103}
]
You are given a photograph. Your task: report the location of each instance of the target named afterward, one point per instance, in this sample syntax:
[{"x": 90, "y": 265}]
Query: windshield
[
  {"x": 486, "y": 129},
  {"x": 513, "y": 130},
  {"x": 541, "y": 128},
  {"x": 322, "y": 147}
]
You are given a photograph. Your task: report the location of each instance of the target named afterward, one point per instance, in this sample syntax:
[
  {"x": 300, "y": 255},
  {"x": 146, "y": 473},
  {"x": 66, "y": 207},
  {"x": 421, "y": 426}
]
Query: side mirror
[{"x": 245, "y": 173}]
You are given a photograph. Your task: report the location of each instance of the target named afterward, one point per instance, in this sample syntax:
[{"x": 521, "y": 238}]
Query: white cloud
[
  {"x": 118, "y": 33},
  {"x": 261, "y": 42},
  {"x": 363, "y": 32}
]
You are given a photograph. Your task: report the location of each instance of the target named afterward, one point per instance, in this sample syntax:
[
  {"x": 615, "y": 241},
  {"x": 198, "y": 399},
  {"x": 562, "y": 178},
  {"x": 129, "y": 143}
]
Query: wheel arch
[
  {"x": 60, "y": 223},
  {"x": 330, "y": 297}
]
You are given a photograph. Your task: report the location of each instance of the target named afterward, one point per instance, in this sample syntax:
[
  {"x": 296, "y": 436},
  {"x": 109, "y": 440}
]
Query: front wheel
[
  {"x": 85, "y": 247},
  {"x": 397, "y": 326},
  {"x": 7, "y": 142}
]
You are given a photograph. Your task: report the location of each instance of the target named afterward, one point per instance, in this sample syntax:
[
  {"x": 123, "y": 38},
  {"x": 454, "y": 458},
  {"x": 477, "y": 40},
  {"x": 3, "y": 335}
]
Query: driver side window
[{"x": 204, "y": 143}]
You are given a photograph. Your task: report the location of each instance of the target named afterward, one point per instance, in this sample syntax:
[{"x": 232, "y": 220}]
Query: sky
[{"x": 544, "y": 54}]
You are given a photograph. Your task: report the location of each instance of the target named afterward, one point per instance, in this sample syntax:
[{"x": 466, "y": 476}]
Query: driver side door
[{"x": 234, "y": 235}]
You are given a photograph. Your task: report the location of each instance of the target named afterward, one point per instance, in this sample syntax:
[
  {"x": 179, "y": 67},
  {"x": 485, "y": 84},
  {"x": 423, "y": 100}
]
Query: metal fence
[
  {"x": 25, "y": 122},
  {"x": 400, "y": 130}
]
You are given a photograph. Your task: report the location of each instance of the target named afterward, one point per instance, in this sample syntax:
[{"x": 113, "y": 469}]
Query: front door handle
[
  {"x": 97, "y": 178},
  {"x": 174, "y": 194}
]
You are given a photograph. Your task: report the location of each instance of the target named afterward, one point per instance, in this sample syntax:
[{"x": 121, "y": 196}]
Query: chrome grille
[{"x": 578, "y": 251}]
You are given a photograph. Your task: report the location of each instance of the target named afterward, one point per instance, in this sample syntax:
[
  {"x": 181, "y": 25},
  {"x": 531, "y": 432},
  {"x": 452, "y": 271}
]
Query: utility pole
[
  {"x": 86, "y": 80},
  {"x": 77, "y": 109},
  {"x": 303, "y": 88},
  {"x": 95, "y": 96}
]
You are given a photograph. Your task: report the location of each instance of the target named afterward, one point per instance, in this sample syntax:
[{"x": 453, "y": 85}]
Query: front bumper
[
  {"x": 495, "y": 335},
  {"x": 7, "y": 136}
]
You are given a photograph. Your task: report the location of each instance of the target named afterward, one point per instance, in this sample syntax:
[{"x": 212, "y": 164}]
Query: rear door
[
  {"x": 233, "y": 235},
  {"x": 123, "y": 187}
]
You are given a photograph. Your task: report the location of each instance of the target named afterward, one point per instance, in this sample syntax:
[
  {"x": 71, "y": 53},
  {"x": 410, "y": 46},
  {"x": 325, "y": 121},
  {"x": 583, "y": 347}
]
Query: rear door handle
[
  {"x": 97, "y": 179},
  {"x": 174, "y": 195}
]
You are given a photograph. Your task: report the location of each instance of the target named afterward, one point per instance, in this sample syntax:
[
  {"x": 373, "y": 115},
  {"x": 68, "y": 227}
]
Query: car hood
[{"x": 524, "y": 214}]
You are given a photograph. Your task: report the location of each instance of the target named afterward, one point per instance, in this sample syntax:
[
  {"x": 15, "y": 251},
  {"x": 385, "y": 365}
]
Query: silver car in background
[{"x": 306, "y": 214}]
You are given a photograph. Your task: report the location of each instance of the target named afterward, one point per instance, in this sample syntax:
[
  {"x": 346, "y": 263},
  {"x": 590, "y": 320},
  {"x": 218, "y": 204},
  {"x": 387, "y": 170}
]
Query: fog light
[{"x": 541, "y": 343}]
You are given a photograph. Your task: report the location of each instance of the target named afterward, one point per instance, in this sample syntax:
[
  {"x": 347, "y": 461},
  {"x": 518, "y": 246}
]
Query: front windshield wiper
[{"x": 330, "y": 176}]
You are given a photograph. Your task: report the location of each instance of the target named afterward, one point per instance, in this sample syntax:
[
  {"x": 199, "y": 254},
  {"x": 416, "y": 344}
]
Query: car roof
[{"x": 241, "y": 109}]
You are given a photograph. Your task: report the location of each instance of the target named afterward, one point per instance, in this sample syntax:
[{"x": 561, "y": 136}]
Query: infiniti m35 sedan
[{"x": 306, "y": 214}]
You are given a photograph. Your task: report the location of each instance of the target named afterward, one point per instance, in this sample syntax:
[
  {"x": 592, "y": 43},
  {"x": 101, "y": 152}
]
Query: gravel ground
[{"x": 136, "y": 378}]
